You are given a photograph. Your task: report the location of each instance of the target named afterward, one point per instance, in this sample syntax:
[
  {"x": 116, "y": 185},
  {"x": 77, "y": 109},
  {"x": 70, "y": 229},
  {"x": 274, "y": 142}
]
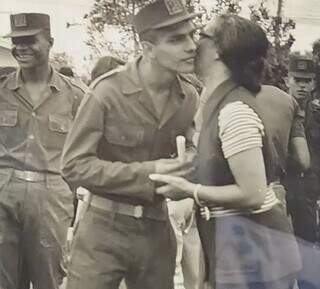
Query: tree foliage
[
  {"x": 60, "y": 59},
  {"x": 279, "y": 32}
]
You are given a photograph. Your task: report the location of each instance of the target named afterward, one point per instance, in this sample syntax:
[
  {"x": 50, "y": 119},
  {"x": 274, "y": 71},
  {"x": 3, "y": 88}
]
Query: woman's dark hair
[{"x": 242, "y": 45}]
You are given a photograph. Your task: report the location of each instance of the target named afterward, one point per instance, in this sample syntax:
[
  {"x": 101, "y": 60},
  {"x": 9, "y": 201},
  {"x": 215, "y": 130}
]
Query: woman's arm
[{"x": 241, "y": 136}]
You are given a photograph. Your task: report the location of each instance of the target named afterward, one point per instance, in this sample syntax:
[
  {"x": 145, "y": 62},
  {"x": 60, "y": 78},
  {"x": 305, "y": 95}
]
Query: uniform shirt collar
[{"x": 15, "y": 80}]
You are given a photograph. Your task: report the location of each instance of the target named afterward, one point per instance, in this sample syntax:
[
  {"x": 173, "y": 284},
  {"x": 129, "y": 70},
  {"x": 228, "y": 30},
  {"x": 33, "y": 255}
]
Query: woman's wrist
[{"x": 195, "y": 194}]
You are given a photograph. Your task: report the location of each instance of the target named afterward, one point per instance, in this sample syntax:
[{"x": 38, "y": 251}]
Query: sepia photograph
[{"x": 160, "y": 144}]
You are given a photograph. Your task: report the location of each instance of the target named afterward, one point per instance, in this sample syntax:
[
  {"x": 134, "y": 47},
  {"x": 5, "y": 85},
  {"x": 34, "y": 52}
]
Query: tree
[
  {"x": 279, "y": 32},
  {"x": 60, "y": 59},
  {"x": 226, "y": 6}
]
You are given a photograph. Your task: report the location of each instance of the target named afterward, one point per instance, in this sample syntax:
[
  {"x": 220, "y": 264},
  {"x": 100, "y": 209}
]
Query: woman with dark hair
[{"x": 247, "y": 240}]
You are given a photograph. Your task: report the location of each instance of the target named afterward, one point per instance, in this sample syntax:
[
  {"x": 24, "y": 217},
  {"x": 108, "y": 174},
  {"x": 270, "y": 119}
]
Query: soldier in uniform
[
  {"x": 125, "y": 130},
  {"x": 302, "y": 186},
  {"x": 36, "y": 205}
]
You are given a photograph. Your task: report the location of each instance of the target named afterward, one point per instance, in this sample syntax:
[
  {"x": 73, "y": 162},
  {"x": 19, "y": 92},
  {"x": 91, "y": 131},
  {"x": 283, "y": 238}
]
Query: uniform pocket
[
  {"x": 59, "y": 123},
  {"x": 128, "y": 136},
  {"x": 8, "y": 118}
]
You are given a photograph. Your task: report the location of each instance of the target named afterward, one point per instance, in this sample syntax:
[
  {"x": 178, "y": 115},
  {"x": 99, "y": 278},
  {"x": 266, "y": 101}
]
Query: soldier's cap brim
[
  {"x": 175, "y": 20},
  {"x": 303, "y": 74},
  {"x": 21, "y": 33}
]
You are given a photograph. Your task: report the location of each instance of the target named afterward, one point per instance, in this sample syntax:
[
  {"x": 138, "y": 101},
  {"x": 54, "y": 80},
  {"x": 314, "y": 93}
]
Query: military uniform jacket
[
  {"x": 32, "y": 134},
  {"x": 249, "y": 247},
  {"x": 117, "y": 136}
]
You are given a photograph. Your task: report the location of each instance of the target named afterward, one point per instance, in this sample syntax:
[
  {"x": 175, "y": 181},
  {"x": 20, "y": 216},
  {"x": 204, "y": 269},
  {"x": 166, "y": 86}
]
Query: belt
[
  {"x": 29, "y": 176},
  {"x": 116, "y": 207}
]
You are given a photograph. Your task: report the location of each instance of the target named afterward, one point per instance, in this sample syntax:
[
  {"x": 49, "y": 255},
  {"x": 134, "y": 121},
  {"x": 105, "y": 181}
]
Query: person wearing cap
[
  {"x": 36, "y": 205},
  {"x": 303, "y": 186},
  {"x": 126, "y": 129}
]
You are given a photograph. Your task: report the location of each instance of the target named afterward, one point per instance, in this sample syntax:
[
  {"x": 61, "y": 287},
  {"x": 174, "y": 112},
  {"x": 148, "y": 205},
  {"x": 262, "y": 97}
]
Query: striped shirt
[{"x": 240, "y": 129}]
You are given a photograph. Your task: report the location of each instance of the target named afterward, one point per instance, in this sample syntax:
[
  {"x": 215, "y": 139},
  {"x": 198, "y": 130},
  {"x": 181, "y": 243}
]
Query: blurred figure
[
  {"x": 105, "y": 64},
  {"x": 302, "y": 186}
]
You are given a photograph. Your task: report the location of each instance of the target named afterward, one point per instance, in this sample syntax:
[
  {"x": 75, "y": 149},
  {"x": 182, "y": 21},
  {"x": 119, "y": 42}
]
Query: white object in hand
[{"x": 181, "y": 146}]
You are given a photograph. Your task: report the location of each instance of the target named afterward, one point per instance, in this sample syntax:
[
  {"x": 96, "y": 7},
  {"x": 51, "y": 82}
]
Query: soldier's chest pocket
[
  {"x": 8, "y": 118},
  {"x": 58, "y": 127},
  {"x": 125, "y": 135}
]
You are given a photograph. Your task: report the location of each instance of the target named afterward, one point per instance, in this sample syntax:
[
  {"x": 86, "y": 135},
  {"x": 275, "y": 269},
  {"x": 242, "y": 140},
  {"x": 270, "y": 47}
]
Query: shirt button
[
  {"x": 31, "y": 136},
  {"x": 33, "y": 114}
]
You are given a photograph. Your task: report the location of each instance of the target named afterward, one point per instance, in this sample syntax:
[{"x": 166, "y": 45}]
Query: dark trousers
[
  {"x": 109, "y": 247},
  {"x": 34, "y": 217},
  {"x": 302, "y": 209}
]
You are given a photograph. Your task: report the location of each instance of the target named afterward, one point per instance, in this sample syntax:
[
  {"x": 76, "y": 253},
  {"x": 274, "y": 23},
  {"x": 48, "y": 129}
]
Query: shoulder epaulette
[
  {"x": 104, "y": 76},
  {"x": 78, "y": 84}
]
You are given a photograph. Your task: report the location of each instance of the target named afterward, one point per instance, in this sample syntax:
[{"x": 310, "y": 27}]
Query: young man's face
[
  {"x": 175, "y": 48},
  {"x": 300, "y": 87},
  {"x": 31, "y": 51}
]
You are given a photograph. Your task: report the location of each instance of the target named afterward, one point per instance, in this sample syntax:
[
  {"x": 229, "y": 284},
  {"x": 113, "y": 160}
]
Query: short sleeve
[{"x": 240, "y": 128}]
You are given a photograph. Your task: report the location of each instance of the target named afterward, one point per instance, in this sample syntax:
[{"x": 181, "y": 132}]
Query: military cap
[
  {"x": 301, "y": 66},
  {"x": 28, "y": 24},
  {"x": 160, "y": 14}
]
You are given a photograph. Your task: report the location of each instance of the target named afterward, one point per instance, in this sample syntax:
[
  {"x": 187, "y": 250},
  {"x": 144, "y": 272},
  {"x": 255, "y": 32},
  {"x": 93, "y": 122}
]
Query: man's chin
[{"x": 25, "y": 64}]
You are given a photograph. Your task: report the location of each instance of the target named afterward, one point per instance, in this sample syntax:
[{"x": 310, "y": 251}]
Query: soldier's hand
[{"x": 174, "y": 166}]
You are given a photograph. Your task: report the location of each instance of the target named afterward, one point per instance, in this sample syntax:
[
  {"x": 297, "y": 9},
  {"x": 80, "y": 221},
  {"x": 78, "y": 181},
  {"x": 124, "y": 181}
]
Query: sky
[{"x": 306, "y": 13}]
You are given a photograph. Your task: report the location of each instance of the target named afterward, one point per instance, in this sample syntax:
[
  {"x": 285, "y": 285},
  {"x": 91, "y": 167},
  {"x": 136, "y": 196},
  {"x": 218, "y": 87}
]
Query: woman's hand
[{"x": 176, "y": 188}]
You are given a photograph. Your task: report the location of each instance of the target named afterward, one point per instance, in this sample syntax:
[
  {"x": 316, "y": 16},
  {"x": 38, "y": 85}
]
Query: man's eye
[
  {"x": 23, "y": 40},
  {"x": 176, "y": 39}
]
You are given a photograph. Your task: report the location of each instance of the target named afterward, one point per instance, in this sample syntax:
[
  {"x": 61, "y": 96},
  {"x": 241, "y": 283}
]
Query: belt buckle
[
  {"x": 29, "y": 176},
  {"x": 138, "y": 212}
]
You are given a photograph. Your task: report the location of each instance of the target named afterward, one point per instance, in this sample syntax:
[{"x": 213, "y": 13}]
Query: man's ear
[
  {"x": 286, "y": 81},
  {"x": 148, "y": 48}
]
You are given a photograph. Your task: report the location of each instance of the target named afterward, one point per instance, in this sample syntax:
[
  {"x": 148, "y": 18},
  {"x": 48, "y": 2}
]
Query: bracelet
[{"x": 195, "y": 195}]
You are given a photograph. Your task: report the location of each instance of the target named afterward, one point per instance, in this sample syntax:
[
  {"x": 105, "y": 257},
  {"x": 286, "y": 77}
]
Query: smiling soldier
[{"x": 36, "y": 206}]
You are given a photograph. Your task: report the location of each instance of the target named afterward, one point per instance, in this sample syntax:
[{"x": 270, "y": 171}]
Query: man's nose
[
  {"x": 192, "y": 44},
  {"x": 21, "y": 45}
]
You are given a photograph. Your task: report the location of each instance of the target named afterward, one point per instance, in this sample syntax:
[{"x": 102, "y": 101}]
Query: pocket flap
[
  {"x": 8, "y": 117},
  {"x": 59, "y": 123},
  {"x": 124, "y": 135}
]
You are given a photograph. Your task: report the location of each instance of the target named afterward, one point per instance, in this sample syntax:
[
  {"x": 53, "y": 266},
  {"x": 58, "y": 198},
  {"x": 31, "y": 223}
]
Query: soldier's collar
[
  {"x": 131, "y": 82},
  {"x": 55, "y": 80},
  {"x": 182, "y": 86},
  {"x": 16, "y": 81}
]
